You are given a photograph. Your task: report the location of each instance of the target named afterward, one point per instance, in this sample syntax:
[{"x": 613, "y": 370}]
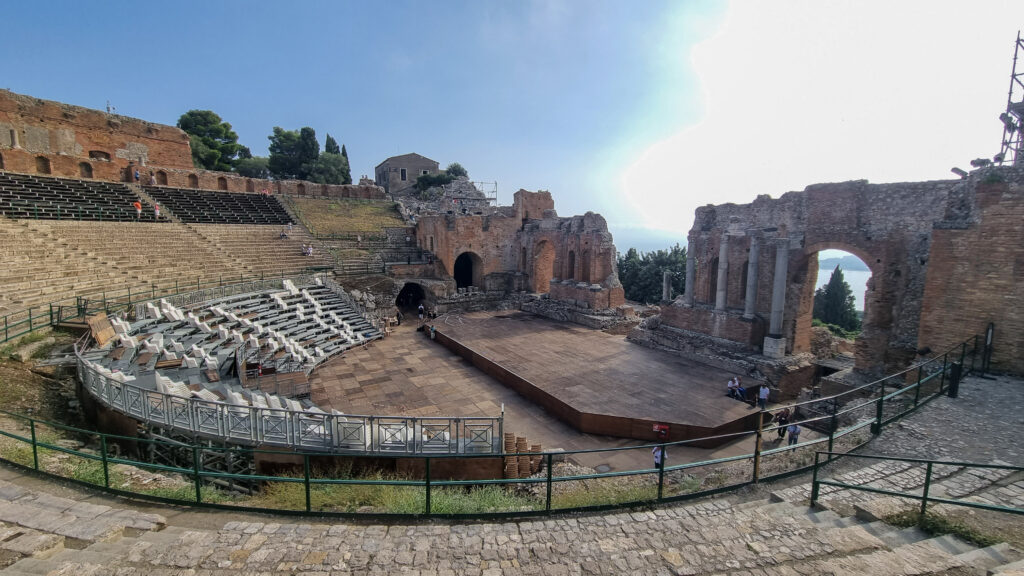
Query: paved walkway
[{"x": 49, "y": 529}]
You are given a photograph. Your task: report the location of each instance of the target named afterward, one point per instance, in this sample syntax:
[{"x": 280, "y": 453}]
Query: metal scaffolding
[{"x": 1012, "y": 149}]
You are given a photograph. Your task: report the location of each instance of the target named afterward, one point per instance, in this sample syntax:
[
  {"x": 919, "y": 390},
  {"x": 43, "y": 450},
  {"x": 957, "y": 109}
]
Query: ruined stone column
[
  {"x": 666, "y": 285},
  {"x": 774, "y": 343},
  {"x": 748, "y": 304},
  {"x": 723, "y": 272},
  {"x": 690, "y": 272}
]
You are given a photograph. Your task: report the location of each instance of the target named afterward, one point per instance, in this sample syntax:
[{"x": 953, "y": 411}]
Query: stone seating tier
[
  {"x": 45, "y": 198},
  {"x": 210, "y": 207}
]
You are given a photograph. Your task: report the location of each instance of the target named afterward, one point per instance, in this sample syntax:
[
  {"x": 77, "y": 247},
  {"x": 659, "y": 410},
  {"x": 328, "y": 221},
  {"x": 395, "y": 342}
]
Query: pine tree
[{"x": 834, "y": 303}]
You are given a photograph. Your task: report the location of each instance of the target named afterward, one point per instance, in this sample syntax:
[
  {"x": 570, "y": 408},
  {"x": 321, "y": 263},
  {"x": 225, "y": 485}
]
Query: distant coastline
[{"x": 851, "y": 263}]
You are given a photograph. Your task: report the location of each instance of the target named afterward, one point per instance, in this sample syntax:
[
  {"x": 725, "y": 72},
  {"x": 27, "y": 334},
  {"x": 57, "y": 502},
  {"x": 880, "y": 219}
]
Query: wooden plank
[
  {"x": 167, "y": 364},
  {"x": 101, "y": 329}
]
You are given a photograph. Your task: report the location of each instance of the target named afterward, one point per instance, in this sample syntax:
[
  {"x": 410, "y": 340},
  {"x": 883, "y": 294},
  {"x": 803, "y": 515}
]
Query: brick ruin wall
[
  {"x": 528, "y": 247},
  {"x": 945, "y": 258},
  {"x": 976, "y": 269},
  {"x": 114, "y": 146}
]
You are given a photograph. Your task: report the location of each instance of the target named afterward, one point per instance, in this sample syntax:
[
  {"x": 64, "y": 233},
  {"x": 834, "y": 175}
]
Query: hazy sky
[{"x": 639, "y": 110}]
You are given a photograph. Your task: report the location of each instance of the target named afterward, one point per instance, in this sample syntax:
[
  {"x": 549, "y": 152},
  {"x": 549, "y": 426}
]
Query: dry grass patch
[{"x": 342, "y": 216}]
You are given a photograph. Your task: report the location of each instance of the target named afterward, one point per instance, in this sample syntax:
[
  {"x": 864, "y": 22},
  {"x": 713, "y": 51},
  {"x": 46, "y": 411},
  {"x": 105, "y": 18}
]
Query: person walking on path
[
  {"x": 136, "y": 175},
  {"x": 138, "y": 209},
  {"x": 762, "y": 396},
  {"x": 794, "y": 434},
  {"x": 156, "y": 211},
  {"x": 659, "y": 453},
  {"x": 152, "y": 178},
  {"x": 782, "y": 420}
]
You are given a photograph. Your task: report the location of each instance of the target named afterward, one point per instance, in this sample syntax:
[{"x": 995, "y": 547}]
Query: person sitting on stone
[
  {"x": 733, "y": 391},
  {"x": 741, "y": 391}
]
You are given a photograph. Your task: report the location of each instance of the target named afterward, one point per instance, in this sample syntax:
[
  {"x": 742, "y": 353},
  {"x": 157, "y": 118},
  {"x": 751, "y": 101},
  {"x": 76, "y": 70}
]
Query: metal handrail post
[
  {"x": 832, "y": 426},
  {"x": 198, "y": 482},
  {"x": 942, "y": 378},
  {"x": 974, "y": 352},
  {"x": 547, "y": 500},
  {"x": 305, "y": 465},
  {"x": 661, "y": 472},
  {"x": 757, "y": 447},
  {"x": 927, "y": 485},
  {"x": 876, "y": 428},
  {"x": 917, "y": 389},
  {"x": 426, "y": 484},
  {"x": 103, "y": 457},
  {"x": 814, "y": 477},
  {"x": 35, "y": 445}
]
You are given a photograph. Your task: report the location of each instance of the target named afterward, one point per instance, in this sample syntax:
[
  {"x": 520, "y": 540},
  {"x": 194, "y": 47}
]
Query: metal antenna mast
[{"x": 1012, "y": 149}]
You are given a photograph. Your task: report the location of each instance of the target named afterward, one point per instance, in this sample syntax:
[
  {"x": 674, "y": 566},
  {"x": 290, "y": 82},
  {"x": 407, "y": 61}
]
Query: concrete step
[
  {"x": 903, "y": 537},
  {"x": 951, "y": 544},
  {"x": 984, "y": 560}
]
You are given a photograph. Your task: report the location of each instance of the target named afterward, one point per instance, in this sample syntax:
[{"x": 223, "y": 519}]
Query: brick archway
[
  {"x": 887, "y": 226},
  {"x": 468, "y": 270}
]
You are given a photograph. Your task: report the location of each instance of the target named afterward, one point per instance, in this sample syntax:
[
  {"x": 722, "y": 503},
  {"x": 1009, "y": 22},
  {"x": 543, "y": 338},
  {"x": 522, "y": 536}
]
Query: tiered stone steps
[
  {"x": 43, "y": 197},
  {"x": 260, "y": 249},
  {"x": 707, "y": 537}
]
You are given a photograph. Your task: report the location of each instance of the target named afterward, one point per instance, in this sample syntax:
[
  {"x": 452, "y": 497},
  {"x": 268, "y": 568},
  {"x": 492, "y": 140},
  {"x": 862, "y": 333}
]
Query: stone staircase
[{"x": 46, "y": 535}]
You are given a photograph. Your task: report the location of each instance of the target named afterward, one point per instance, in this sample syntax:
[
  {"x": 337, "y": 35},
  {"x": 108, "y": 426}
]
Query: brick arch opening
[
  {"x": 409, "y": 297},
  {"x": 222, "y": 183},
  {"x": 42, "y": 165},
  {"x": 585, "y": 269},
  {"x": 161, "y": 178},
  {"x": 249, "y": 186},
  {"x": 543, "y": 266},
  {"x": 570, "y": 269},
  {"x": 1, "y": 161},
  {"x": 468, "y": 270},
  {"x": 301, "y": 189},
  {"x": 84, "y": 170},
  {"x": 193, "y": 181},
  {"x": 807, "y": 274}
]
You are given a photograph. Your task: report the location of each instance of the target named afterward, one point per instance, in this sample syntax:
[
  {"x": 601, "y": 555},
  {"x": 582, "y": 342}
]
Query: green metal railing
[
  {"x": 425, "y": 492},
  {"x": 924, "y": 496}
]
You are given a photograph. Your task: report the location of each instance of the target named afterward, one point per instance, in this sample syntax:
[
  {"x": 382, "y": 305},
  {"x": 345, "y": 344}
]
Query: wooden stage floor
[
  {"x": 597, "y": 382},
  {"x": 408, "y": 375}
]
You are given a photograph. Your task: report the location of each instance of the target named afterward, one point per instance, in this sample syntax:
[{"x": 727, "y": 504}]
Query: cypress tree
[{"x": 834, "y": 303}]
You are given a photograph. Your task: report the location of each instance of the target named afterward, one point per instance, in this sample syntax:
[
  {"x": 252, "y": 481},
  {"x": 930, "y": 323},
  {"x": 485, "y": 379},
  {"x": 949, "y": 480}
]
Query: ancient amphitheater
[{"x": 246, "y": 400}]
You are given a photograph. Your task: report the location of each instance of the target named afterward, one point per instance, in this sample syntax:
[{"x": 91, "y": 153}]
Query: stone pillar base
[{"x": 774, "y": 347}]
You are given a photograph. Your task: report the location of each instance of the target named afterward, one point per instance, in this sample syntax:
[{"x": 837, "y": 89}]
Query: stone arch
[
  {"x": 42, "y": 165},
  {"x": 161, "y": 178},
  {"x": 410, "y": 296},
  {"x": 585, "y": 268},
  {"x": 301, "y": 189},
  {"x": 222, "y": 183},
  {"x": 193, "y": 181},
  {"x": 249, "y": 186},
  {"x": 543, "y": 266},
  {"x": 876, "y": 320},
  {"x": 468, "y": 270},
  {"x": 570, "y": 269},
  {"x": 84, "y": 170}
]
